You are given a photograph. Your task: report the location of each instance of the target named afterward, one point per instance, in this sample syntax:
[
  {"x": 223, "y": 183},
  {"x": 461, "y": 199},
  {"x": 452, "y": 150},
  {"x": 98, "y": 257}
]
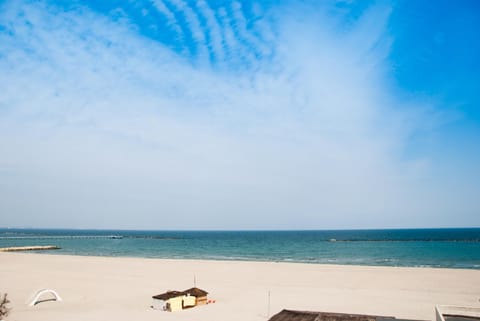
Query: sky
[{"x": 176, "y": 114}]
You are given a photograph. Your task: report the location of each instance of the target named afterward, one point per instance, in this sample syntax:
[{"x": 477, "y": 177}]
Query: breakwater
[{"x": 29, "y": 248}]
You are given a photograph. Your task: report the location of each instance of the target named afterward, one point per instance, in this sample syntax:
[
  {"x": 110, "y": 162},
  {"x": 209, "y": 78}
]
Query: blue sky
[{"x": 175, "y": 114}]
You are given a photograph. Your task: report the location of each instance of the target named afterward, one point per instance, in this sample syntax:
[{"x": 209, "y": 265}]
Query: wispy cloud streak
[
  {"x": 196, "y": 29},
  {"x": 97, "y": 120},
  {"x": 170, "y": 16},
  {"x": 213, "y": 29},
  {"x": 240, "y": 25}
]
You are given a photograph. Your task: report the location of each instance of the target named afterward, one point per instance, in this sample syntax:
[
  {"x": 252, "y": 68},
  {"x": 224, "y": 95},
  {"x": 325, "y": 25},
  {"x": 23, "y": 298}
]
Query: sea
[{"x": 442, "y": 248}]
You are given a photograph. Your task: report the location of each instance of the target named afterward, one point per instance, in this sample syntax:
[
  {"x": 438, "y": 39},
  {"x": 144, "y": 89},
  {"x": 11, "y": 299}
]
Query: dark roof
[
  {"x": 173, "y": 294},
  {"x": 168, "y": 295},
  {"x": 196, "y": 292},
  {"x": 291, "y": 315}
]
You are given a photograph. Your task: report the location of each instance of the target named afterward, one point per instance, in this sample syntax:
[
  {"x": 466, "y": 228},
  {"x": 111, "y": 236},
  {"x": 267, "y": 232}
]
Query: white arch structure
[{"x": 37, "y": 296}]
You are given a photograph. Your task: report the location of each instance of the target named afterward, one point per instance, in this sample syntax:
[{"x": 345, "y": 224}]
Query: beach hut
[
  {"x": 168, "y": 301},
  {"x": 176, "y": 300},
  {"x": 199, "y": 294}
]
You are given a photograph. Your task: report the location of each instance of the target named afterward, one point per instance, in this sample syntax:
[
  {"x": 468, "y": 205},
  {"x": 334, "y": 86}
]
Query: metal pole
[{"x": 268, "y": 312}]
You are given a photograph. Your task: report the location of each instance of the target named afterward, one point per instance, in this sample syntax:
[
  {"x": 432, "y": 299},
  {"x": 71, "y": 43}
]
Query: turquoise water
[{"x": 454, "y": 248}]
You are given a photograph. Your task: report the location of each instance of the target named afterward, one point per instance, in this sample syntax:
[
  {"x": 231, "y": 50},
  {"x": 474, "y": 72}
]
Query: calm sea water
[{"x": 454, "y": 248}]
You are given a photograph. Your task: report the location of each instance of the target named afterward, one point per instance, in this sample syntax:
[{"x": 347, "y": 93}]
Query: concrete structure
[
  {"x": 456, "y": 313},
  {"x": 292, "y": 315},
  {"x": 29, "y": 248}
]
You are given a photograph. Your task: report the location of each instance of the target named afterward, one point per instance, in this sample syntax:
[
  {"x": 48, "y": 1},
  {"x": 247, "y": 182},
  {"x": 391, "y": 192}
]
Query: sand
[{"x": 101, "y": 288}]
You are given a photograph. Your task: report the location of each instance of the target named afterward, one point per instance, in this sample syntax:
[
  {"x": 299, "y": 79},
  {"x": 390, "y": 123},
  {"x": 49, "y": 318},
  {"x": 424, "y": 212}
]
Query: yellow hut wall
[
  {"x": 189, "y": 301},
  {"x": 176, "y": 303}
]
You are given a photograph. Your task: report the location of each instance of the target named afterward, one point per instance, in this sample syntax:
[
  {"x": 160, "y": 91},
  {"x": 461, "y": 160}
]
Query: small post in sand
[{"x": 268, "y": 309}]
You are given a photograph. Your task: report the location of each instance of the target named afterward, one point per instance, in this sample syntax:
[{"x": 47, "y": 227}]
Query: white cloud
[
  {"x": 240, "y": 25},
  {"x": 96, "y": 121},
  {"x": 235, "y": 52},
  {"x": 196, "y": 29},
  {"x": 170, "y": 16},
  {"x": 214, "y": 30}
]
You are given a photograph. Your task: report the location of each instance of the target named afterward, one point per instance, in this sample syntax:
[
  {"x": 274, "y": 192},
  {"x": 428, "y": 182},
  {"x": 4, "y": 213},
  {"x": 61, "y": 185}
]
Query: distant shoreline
[{"x": 2, "y": 228}]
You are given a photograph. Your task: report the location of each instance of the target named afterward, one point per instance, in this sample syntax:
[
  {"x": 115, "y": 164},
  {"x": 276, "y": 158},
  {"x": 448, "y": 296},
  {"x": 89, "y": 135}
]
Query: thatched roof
[
  {"x": 291, "y": 315},
  {"x": 196, "y": 292},
  {"x": 173, "y": 294},
  {"x": 168, "y": 295}
]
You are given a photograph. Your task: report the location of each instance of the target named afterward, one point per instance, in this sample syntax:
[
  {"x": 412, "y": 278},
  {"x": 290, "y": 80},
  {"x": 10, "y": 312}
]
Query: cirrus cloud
[{"x": 289, "y": 125}]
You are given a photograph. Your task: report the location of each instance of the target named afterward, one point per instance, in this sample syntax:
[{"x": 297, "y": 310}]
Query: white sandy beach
[{"x": 101, "y": 288}]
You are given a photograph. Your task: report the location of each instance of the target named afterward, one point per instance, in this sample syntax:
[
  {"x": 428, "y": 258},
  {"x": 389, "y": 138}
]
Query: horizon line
[{"x": 237, "y": 230}]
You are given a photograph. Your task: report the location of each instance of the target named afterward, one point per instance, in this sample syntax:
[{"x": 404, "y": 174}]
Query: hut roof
[
  {"x": 196, "y": 292},
  {"x": 291, "y": 315},
  {"x": 173, "y": 294},
  {"x": 168, "y": 295}
]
